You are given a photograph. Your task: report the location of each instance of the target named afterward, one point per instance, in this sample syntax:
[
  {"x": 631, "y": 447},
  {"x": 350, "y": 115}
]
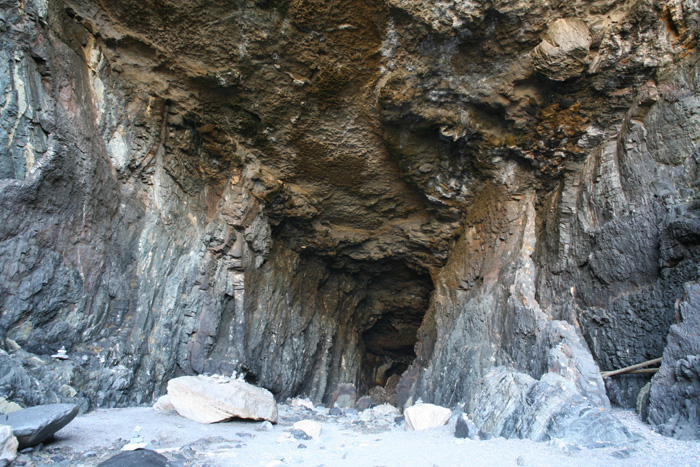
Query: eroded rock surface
[{"x": 394, "y": 193}]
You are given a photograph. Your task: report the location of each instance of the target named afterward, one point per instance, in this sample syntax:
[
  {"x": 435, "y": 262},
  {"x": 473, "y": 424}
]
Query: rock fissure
[{"x": 423, "y": 197}]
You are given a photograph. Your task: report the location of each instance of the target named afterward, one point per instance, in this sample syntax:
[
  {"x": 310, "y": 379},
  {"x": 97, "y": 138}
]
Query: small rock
[
  {"x": 399, "y": 420},
  {"x": 465, "y": 428},
  {"x": 139, "y": 458},
  {"x": 485, "y": 435},
  {"x": 8, "y": 445},
  {"x": 8, "y": 407},
  {"x": 301, "y": 446},
  {"x": 265, "y": 426},
  {"x": 520, "y": 460},
  {"x": 335, "y": 411},
  {"x": 364, "y": 403},
  {"x": 134, "y": 446},
  {"x": 352, "y": 413},
  {"x": 211, "y": 400},
  {"x": 378, "y": 395},
  {"x": 163, "y": 404},
  {"x": 385, "y": 410},
  {"x": 344, "y": 397},
  {"x": 306, "y": 403},
  {"x": 37, "y": 424},
  {"x": 299, "y": 434},
  {"x": 622, "y": 454},
  {"x": 310, "y": 427},
  {"x": 425, "y": 416},
  {"x": 62, "y": 354}
]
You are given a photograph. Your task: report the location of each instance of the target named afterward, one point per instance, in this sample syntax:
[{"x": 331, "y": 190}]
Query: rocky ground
[{"x": 357, "y": 439}]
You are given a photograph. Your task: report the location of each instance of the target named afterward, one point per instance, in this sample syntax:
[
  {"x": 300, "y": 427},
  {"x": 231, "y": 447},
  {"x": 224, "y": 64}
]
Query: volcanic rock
[
  {"x": 35, "y": 425},
  {"x": 465, "y": 428},
  {"x": 674, "y": 398},
  {"x": 211, "y": 400},
  {"x": 137, "y": 458}
]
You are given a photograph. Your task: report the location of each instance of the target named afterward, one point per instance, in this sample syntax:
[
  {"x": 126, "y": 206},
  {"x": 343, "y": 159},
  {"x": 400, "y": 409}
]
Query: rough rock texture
[
  {"x": 211, "y": 400},
  {"x": 510, "y": 404},
  {"x": 37, "y": 424},
  {"x": 674, "y": 398},
  {"x": 358, "y": 191},
  {"x": 8, "y": 445},
  {"x": 138, "y": 458},
  {"x": 426, "y": 416}
]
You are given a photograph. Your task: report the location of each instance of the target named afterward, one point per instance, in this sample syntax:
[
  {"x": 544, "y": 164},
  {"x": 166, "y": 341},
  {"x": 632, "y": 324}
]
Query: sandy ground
[{"x": 94, "y": 437}]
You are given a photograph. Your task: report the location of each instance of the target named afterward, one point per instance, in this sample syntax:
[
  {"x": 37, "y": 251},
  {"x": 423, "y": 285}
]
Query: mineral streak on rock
[{"x": 315, "y": 193}]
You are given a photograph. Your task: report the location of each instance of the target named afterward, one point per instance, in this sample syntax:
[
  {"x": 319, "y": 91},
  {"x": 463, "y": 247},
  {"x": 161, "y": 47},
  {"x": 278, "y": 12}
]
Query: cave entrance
[{"x": 396, "y": 302}]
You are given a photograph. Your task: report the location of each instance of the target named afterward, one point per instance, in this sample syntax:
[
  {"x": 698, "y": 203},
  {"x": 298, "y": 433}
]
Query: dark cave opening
[{"x": 395, "y": 307}]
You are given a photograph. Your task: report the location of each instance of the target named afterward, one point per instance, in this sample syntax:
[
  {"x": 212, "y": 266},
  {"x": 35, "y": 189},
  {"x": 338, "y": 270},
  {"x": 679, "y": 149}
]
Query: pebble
[
  {"x": 299, "y": 434},
  {"x": 301, "y": 446},
  {"x": 265, "y": 426}
]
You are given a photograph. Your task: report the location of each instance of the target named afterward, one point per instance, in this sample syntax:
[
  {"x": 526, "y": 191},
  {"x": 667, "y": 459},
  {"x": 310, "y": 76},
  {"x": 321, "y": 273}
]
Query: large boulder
[
  {"x": 563, "y": 52},
  {"x": 37, "y": 424},
  {"x": 515, "y": 405},
  {"x": 8, "y": 445},
  {"x": 425, "y": 416},
  {"x": 210, "y": 400},
  {"x": 674, "y": 401}
]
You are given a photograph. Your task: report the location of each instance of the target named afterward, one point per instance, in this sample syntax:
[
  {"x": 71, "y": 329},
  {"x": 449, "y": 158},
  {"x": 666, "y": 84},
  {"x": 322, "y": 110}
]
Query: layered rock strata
[{"x": 318, "y": 192}]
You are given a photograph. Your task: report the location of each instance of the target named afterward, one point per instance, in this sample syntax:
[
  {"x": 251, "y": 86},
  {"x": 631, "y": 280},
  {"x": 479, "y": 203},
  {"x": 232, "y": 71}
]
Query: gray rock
[
  {"x": 465, "y": 428},
  {"x": 363, "y": 403},
  {"x": 514, "y": 405},
  {"x": 674, "y": 400},
  {"x": 335, "y": 411},
  {"x": 344, "y": 396},
  {"x": 300, "y": 434},
  {"x": 35, "y": 425},
  {"x": 642, "y": 405},
  {"x": 138, "y": 458}
]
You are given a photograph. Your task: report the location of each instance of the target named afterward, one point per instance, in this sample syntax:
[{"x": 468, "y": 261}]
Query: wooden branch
[{"x": 631, "y": 369}]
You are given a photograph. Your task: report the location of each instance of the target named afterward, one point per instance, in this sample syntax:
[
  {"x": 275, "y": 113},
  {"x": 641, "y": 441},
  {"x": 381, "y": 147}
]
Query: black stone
[
  {"x": 299, "y": 434},
  {"x": 138, "y": 458},
  {"x": 35, "y": 425},
  {"x": 465, "y": 428}
]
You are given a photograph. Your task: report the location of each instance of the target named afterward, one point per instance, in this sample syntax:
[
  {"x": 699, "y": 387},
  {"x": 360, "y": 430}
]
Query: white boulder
[
  {"x": 424, "y": 416},
  {"x": 309, "y": 427},
  {"x": 210, "y": 400}
]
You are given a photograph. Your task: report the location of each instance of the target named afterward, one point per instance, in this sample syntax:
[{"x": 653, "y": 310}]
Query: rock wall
[{"x": 316, "y": 193}]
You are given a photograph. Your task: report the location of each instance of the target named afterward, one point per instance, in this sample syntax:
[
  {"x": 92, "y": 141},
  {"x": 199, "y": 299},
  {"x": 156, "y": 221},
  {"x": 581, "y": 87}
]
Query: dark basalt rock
[
  {"x": 138, "y": 458},
  {"x": 364, "y": 192},
  {"x": 674, "y": 399},
  {"x": 35, "y": 425}
]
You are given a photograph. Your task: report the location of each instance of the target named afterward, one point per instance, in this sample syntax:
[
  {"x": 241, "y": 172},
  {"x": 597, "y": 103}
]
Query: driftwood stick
[{"x": 631, "y": 369}]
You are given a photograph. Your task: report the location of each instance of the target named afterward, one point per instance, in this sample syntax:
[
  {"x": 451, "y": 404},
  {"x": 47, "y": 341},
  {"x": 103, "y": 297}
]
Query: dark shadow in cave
[{"x": 395, "y": 306}]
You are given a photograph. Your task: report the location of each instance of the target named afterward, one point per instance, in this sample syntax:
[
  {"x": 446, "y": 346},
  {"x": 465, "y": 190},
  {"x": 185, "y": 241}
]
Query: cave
[{"x": 376, "y": 193}]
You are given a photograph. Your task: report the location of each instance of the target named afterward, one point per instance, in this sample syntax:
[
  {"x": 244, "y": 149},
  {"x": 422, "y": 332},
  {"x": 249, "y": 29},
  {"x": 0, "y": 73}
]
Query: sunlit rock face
[{"x": 317, "y": 192}]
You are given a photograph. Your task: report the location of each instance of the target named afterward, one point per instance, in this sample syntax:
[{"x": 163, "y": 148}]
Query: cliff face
[{"x": 318, "y": 192}]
